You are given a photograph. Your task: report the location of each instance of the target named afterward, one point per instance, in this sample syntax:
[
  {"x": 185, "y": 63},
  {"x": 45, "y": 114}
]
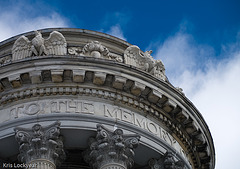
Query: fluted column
[
  {"x": 40, "y": 147},
  {"x": 111, "y": 149},
  {"x": 166, "y": 162}
]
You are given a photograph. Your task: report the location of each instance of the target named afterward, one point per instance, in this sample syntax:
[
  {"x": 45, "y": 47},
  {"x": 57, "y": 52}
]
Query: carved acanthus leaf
[
  {"x": 40, "y": 143},
  {"x": 5, "y": 59},
  {"x": 111, "y": 147},
  {"x": 75, "y": 51},
  {"x": 168, "y": 161}
]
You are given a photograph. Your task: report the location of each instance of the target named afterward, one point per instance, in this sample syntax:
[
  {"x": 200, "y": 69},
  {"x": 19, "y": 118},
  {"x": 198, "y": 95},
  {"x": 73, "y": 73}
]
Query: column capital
[
  {"x": 40, "y": 143},
  {"x": 111, "y": 148},
  {"x": 168, "y": 161}
]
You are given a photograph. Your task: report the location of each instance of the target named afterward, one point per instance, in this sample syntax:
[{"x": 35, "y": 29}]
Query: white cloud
[
  {"x": 19, "y": 20},
  {"x": 212, "y": 85},
  {"x": 116, "y": 31}
]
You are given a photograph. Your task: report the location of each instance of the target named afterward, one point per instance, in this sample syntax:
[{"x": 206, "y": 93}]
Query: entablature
[{"x": 133, "y": 88}]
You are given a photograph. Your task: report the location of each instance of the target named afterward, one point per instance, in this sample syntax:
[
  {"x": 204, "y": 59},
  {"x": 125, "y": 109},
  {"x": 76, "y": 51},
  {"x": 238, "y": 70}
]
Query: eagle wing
[
  {"x": 56, "y": 44},
  {"x": 21, "y": 48},
  {"x": 134, "y": 56}
]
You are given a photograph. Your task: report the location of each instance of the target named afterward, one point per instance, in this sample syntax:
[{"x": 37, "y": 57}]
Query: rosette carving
[
  {"x": 111, "y": 148},
  {"x": 40, "y": 143}
]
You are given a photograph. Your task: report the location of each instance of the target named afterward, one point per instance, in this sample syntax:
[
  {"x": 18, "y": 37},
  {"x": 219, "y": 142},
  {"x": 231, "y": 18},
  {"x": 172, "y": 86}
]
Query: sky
[{"x": 198, "y": 42}]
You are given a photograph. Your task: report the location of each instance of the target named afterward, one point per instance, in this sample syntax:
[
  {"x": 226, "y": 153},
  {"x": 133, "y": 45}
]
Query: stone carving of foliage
[
  {"x": 40, "y": 143},
  {"x": 96, "y": 49},
  {"x": 168, "y": 161},
  {"x": 111, "y": 147}
]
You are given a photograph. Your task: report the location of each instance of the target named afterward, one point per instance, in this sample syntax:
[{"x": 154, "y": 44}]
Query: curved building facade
[{"x": 74, "y": 98}]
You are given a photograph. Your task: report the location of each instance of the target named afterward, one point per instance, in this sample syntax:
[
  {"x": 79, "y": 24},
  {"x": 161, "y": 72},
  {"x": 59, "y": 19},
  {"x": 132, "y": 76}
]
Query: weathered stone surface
[
  {"x": 137, "y": 88},
  {"x": 111, "y": 149},
  {"x": 154, "y": 96},
  {"x": 96, "y": 49},
  {"x": 119, "y": 82},
  {"x": 54, "y": 45},
  {"x": 78, "y": 75},
  {"x": 35, "y": 76},
  {"x": 89, "y": 86},
  {"x": 99, "y": 78},
  {"x": 40, "y": 143},
  {"x": 168, "y": 161},
  {"x": 15, "y": 81},
  {"x": 57, "y": 75}
]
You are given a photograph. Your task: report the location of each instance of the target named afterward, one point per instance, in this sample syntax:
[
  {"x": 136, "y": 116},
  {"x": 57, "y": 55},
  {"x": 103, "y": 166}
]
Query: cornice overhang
[{"x": 52, "y": 75}]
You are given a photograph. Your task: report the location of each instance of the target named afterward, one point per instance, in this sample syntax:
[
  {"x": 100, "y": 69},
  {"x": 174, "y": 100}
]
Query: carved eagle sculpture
[
  {"x": 55, "y": 44},
  {"x": 135, "y": 57}
]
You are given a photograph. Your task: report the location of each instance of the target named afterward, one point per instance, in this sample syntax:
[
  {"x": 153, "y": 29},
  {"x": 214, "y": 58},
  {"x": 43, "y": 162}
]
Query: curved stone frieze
[
  {"x": 55, "y": 44},
  {"x": 96, "y": 76},
  {"x": 94, "y": 108},
  {"x": 94, "y": 49}
]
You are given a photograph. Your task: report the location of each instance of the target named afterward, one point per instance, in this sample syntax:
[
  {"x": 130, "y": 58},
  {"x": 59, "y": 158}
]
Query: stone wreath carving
[
  {"x": 143, "y": 60},
  {"x": 55, "y": 44},
  {"x": 94, "y": 49}
]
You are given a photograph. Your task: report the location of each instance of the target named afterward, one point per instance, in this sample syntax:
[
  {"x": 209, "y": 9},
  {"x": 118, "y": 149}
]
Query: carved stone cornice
[
  {"x": 111, "y": 149},
  {"x": 40, "y": 143},
  {"x": 133, "y": 93},
  {"x": 143, "y": 87},
  {"x": 168, "y": 161}
]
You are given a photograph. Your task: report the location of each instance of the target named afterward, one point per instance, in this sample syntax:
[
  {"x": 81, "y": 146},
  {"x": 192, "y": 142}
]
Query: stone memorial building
[{"x": 75, "y": 98}]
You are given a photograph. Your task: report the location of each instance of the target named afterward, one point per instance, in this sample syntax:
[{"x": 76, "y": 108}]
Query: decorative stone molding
[
  {"x": 166, "y": 162},
  {"x": 75, "y": 51},
  {"x": 111, "y": 149},
  {"x": 95, "y": 49},
  {"x": 55, "y": 44},
  {"x": 5, "y": 59},
  {"x": 40, "y": 145},
  {"x": 159, "y": 70},
  {"x": 137, "y": 89},
  {"x": 77, "y": 75},
  {"x": 168, "y": 111},
  {"x": 135, "y": 57}
]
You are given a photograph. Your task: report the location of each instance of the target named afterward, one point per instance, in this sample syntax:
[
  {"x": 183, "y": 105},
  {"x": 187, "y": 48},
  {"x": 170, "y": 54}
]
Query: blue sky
[{"x": 198, "y": 42}]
